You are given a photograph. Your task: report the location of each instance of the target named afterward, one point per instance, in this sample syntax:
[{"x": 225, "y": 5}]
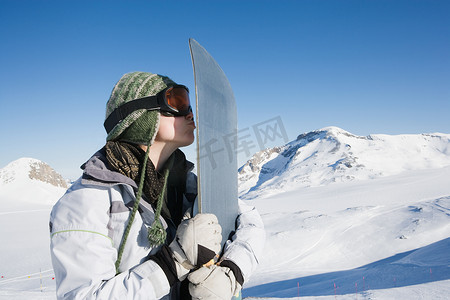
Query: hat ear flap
[{"x": 143, "y": 131}]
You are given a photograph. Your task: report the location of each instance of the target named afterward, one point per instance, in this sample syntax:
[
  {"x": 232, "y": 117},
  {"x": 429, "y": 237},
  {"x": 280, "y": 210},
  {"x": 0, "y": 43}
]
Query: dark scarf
[{"x": 127, "y": 158}]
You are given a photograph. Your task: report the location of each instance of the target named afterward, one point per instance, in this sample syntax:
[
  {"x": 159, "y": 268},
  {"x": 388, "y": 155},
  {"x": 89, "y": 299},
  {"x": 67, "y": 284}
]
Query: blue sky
[{"x": 365, "y": 66}]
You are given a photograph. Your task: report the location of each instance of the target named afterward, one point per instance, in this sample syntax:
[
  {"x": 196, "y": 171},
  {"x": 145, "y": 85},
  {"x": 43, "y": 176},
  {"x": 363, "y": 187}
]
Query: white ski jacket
[{"x": 87, "y": 225}]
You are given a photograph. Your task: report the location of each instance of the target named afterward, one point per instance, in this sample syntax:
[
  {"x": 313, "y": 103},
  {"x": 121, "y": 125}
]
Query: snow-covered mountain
[
  {"x": 346, "y": 217},
  {"x": 32, "y": 181},
  {"x": 332, "y": 155},
  {"x": 28, "y": 189}
]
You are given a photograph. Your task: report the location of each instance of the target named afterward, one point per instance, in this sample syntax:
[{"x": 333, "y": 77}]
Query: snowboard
[{"x": 216, "y": 119}]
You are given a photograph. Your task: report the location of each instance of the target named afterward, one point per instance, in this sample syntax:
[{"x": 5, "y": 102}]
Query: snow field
[
  {"x": 393, "y": 231},
  {"x": 346, "y": 218}
]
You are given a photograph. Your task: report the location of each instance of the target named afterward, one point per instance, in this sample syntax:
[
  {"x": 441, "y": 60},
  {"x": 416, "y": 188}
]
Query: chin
[{"x": 187, "y": 142}]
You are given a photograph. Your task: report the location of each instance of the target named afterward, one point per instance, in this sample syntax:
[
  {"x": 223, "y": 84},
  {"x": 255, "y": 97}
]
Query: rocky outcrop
[{"x": 43, "y": 172}]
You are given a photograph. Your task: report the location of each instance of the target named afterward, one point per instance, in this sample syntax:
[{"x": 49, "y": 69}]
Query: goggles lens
[{"x": 178, "y": 98}]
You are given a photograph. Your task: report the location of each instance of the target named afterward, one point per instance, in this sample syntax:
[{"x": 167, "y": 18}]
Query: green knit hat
[{"x": 140, "y": 126}]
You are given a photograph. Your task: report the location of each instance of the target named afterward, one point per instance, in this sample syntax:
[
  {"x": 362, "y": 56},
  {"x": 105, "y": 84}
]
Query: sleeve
[
  {"x": 247, "y": 244},
  {"x": 83, "y": 253}
]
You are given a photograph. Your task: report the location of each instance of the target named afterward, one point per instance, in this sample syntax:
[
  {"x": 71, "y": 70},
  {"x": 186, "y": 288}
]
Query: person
[{"x": 125, "y": 229}]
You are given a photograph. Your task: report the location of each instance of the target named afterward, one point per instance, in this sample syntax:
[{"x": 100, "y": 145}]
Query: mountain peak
[
  {"x": 31, "y": 169},
  {"x": 335, "y": 130},
  {"x": 332, "y": 154},
  {"x": 327, "y": 132}
]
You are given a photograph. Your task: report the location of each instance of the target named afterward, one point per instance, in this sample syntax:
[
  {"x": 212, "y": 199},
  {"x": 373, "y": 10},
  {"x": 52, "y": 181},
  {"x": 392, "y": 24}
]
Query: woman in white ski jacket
[{"x": 125, "y": 229}]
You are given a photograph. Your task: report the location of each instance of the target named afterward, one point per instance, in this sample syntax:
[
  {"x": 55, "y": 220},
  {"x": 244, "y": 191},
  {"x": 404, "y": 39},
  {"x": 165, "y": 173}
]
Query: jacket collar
[{"x": 97, "y": 171}]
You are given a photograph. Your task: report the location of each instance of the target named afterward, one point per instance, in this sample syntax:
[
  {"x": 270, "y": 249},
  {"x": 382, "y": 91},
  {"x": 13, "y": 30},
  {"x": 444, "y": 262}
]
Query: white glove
[
  {"x": 212, "y": 283},
  {"x": 197, "y": 242}
]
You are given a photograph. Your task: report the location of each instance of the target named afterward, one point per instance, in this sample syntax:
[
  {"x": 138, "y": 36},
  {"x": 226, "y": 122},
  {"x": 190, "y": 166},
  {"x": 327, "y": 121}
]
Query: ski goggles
[{"x": 172, "y": 101}]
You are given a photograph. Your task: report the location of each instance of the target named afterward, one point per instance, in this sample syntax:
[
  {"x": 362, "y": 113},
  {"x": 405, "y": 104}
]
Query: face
[{"x": 176, "y": 131}]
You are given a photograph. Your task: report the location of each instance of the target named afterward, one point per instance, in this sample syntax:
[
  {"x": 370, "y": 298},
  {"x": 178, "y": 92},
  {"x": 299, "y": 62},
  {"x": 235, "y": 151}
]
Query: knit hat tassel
[{"x": 156, "y": 233}]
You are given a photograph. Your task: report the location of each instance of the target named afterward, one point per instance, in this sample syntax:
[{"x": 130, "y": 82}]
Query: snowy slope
[
  {"x": 334, "y": 155},
  {"x": 379, "y": 229},
  {"x": 28, "y": 189},
  {"x": 328, "y": 224},
  {"x": 30, "y": 181},
  {"x": 330, "y": 234}
]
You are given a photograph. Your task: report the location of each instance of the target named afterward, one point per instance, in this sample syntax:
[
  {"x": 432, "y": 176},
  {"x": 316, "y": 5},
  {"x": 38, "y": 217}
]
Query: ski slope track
[{"x": 346, "y": 217}]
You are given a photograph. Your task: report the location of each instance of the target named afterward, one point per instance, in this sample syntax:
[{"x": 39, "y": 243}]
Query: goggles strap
[{"x": 124, "y": 110}]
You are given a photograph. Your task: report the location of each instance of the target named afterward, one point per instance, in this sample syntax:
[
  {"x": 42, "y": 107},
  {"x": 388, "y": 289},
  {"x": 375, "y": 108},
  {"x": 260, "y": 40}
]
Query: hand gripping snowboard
[{"x": 216, "y": 120}]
